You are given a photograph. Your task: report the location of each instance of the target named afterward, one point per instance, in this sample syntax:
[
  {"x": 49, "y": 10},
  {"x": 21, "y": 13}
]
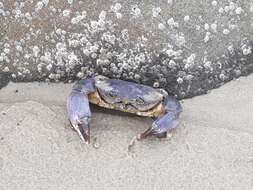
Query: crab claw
[
  {"x": 151, "y": 131},
  {"x": 165, "y": 122},
  {"x": 145, "y": 134},
  {"x": 84, "y": 132},
  {"x": 79, "y": 114}
]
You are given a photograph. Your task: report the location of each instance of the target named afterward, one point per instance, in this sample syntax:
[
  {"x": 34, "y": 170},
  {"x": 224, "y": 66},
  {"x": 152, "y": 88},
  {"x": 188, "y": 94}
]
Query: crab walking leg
[
  {"x": 79, "y": 113},
  {"x": 167, "y": 121}
]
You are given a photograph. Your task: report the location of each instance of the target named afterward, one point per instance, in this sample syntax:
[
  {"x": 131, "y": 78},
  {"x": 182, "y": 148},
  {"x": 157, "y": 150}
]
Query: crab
[{"x": 124, "y": 96}]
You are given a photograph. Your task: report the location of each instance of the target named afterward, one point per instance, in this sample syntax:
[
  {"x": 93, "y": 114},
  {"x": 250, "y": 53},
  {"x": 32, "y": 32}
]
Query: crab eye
[
  {"x": 139, "y": 100},
  {"x": 113, "y": 94}
]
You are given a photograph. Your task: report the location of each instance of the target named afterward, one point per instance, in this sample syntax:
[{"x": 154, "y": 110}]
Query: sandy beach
[{"x": 211, "y": 149}]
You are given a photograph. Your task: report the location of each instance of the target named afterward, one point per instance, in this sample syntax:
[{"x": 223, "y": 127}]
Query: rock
[{"x": 187, "y": 48}]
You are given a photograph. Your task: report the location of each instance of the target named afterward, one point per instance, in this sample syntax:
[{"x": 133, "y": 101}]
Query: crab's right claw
[
  {"x": 79, "y": 114},
  {"x": 84, "y": 132}
]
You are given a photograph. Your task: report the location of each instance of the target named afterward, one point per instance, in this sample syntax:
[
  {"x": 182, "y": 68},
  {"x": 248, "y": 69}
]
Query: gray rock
[{"x": 187, "y": 48}]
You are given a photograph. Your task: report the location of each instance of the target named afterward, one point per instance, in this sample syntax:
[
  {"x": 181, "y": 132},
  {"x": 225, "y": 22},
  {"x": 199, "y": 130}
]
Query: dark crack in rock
[{"x": 4, "y": 79}]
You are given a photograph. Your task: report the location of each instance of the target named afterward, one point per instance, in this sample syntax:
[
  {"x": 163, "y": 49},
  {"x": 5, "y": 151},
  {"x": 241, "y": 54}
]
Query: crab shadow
[
  {"x": 127, "y": 126},
  {"x": 123, "y": 120},
  {"x": 97, "y": 109}
]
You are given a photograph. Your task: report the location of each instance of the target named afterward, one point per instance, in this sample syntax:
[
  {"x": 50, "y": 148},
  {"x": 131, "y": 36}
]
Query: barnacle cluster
[{"x": 164, "y": 44}]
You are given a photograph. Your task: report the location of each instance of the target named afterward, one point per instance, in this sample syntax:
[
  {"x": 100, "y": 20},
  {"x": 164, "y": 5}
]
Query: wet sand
[{"x": 211, "y": 149}]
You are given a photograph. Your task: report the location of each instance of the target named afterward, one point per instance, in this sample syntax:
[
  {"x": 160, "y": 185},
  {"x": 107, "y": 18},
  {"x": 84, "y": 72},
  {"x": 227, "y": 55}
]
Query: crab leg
[
  {"x": 167, "y": 121},
  {"x": 78, "y": 108}
]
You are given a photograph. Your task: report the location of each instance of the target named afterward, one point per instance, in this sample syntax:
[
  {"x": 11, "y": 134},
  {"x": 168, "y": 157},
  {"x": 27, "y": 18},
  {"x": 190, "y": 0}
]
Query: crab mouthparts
[{"x": 84, "y": 132}]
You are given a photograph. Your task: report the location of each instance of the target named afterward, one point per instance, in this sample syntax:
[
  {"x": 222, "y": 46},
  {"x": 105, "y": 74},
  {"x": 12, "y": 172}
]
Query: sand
[{"x": 211, "y": 149}]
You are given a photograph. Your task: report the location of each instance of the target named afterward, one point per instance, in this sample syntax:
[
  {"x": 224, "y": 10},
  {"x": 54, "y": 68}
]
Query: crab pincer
[
  {"x": 166, "y": 121},
  {"x": 79, "y": 113}
]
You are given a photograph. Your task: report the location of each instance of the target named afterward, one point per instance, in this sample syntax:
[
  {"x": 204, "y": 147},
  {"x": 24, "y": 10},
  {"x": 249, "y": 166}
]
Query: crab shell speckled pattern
[{"x": 128, "y": 97}]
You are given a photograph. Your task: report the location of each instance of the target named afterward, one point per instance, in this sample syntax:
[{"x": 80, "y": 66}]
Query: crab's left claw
[{"x": 167, "y": 121}]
